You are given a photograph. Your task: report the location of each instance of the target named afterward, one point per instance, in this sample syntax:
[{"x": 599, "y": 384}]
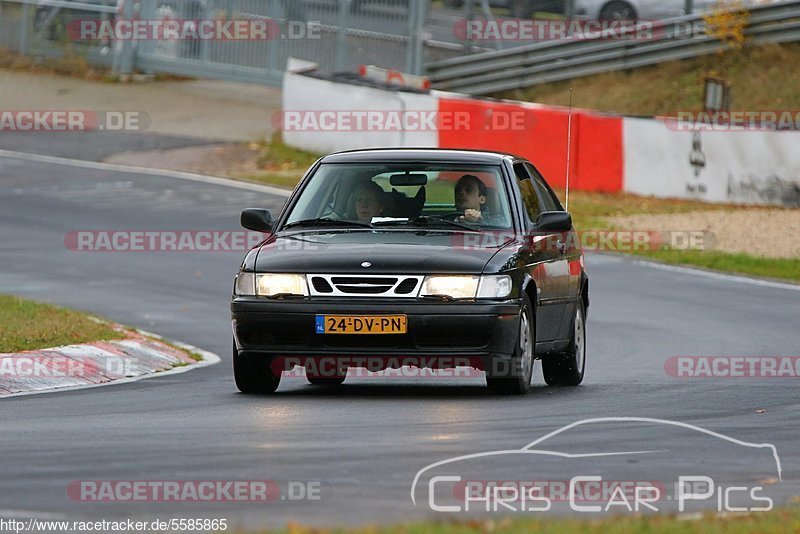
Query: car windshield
[{"x": 443, "y": 196}]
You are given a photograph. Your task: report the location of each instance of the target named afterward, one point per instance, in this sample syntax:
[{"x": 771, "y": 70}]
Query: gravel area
[
  {"x": 217, "y": 160},
  {"x": 768, "y": 233}
]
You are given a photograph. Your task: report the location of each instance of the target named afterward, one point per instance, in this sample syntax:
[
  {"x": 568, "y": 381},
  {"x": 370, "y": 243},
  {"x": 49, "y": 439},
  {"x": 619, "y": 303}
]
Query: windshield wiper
[
  {"x": 325, "y": 221},
  {"x": 424, "y": 219}
]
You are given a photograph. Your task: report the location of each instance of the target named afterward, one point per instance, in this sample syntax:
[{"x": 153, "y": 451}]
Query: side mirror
[
  {"x": 554, "y": 221},
  {"x": 259, "y": 220}
]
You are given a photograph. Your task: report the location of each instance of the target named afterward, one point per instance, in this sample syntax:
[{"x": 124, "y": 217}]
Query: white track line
[{"x": 717, "y": 276}]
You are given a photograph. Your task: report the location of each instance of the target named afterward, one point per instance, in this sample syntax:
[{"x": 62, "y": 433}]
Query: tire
[
  {"x": 518, "y": 382},
  {"x": 326, "y": 381},
  {"x": 618, "y": 10},
  {"x": 253, "y": 375},
  {"x": 567, "y": 369}
]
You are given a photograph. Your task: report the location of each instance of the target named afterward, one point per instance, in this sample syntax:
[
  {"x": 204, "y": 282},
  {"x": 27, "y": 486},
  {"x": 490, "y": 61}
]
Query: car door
[
  {"x": 568, "y": 278},
  {"x": 543, "y": 262}
]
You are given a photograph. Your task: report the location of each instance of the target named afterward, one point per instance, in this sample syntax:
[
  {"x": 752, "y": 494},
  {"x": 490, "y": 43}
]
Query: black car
[{"x": 420, "y": 257}]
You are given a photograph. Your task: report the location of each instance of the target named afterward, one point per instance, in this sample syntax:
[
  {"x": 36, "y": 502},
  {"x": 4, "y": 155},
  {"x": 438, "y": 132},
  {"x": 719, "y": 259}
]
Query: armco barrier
[{"x": 646, "y": 156}]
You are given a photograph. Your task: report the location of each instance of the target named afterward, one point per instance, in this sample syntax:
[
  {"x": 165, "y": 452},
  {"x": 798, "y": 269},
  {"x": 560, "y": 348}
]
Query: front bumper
[{"x": 273, "y": 328}]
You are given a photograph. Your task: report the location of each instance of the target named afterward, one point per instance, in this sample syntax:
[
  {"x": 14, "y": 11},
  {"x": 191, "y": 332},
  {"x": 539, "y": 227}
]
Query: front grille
[
  {"x": 363, "y": 286},
  {"x": 321, "y": 285},
  {"x": 406, "y": 286},
  {"x": 366, "y": 285}
]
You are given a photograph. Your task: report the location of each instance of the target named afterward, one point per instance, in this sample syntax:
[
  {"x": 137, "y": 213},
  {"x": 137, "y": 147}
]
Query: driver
[
  {"x": 470, "y": 197},
  {"x": 369, "y": 201}
]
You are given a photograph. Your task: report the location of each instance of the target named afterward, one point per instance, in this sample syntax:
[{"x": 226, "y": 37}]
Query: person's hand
[{"x": 471, "y": 216}]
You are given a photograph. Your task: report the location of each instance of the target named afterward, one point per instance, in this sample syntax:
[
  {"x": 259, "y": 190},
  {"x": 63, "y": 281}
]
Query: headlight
[
  {"x": 457, "y": 287},
  {"x": 467, "y": 287},
  {"x": 271, "y": 284},
  {"x": 494, "y": 287}
]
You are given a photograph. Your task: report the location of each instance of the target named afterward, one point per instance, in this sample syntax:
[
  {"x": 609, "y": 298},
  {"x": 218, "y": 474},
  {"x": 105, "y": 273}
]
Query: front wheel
[
  {"x": 567, "y": 369},
  {"x": 253, "y": 374},
  {"x": 515, "y": 379}
]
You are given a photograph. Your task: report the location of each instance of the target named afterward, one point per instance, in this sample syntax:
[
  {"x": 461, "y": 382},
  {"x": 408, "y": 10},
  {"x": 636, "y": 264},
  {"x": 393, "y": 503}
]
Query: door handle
[{"x": 561, "y": 246}]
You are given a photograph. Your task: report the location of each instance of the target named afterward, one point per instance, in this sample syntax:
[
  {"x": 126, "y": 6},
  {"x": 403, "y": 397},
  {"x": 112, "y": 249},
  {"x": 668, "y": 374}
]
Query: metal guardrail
[
  {"x": 545, "y": 62},
  {"x": 340, "y": 35}
]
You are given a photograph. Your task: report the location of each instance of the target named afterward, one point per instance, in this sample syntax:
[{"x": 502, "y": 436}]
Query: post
[
  {"x": 416, "y": 24},
  {"x": 569, "y": 9},
  {"x": 125, "y": 50},
  {"x": 272, "y": 44},
  {"x": 341, "y": 36},
  {"x": 23, "y": 30}
]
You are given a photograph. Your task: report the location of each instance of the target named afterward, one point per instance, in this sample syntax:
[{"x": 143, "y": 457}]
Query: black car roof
[{"x": 373, "y": 155}]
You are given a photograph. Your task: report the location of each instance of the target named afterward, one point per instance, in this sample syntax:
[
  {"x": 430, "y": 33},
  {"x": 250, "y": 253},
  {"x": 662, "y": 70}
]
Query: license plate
[{"x": 361, "y": 324}]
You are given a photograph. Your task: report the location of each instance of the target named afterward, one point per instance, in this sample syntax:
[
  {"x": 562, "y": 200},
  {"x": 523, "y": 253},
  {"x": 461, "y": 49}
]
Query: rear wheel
[
  {"x": 515, "y": 378},
  {"x": 567, "y": 369},
  {"x": 253, "y": 374}
]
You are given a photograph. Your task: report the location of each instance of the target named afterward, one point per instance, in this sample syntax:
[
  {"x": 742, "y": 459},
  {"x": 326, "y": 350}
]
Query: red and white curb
[{"x": 135, "y": 356}]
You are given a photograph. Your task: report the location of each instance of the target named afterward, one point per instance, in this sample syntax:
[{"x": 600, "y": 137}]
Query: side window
[
  {"x": 549, "y": 200},
  {"x": 529, "y": 196}
]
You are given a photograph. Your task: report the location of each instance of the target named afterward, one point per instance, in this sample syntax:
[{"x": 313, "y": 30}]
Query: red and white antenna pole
[{"x": 569, "y": 143}]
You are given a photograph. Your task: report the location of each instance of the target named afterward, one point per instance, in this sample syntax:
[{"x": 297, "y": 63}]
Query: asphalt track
[{"x": 366, "y": 440}]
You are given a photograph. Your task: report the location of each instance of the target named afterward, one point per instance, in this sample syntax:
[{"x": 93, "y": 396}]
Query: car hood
[{"x": 387, "y": 251}]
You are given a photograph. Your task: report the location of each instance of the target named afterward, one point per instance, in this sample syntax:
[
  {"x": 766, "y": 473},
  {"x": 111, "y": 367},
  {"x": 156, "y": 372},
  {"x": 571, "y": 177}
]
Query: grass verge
[
  {"x": 28, "y": 325},
  {"x": 280, "y": 164},
  {"x": 778, "y": 521},
  {"x": 591, "y": 210}
]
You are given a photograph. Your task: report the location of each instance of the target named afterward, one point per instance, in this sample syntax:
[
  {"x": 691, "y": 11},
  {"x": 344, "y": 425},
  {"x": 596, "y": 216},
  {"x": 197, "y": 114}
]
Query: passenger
[
  {"x": 369, "y": 201},
  {"x": 470, "y": 198}
]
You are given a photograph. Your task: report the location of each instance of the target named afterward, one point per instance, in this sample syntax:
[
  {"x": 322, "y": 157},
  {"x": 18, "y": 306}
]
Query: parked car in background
[
  {"x": 519, "y": 8},
  {"x": 646, "y": 9}
]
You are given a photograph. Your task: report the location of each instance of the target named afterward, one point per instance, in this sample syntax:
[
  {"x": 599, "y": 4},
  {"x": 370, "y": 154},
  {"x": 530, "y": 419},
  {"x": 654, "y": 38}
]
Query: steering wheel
[{"x": 452, "y": 215}]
